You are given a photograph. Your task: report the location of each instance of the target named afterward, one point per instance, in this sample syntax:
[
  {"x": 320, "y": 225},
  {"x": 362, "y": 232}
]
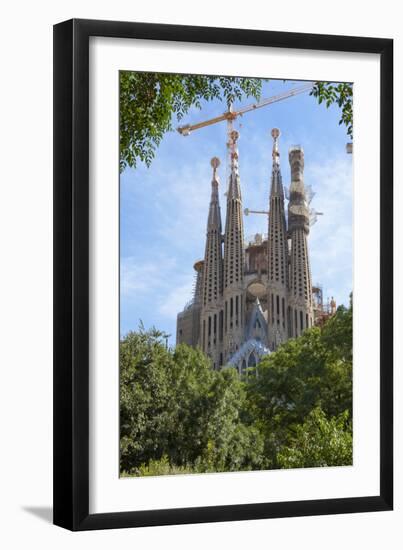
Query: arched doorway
[{"x": 252, "y": 362}]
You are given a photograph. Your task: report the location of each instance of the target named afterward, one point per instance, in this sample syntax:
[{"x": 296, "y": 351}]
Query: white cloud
[
  {"x": 161, "y": 283},
  {"x": 176, "y": 299},
  {"x": 138, "y": 276},
  {"x": 331, "y": 238},
  {"x": 183, "y": 210}
]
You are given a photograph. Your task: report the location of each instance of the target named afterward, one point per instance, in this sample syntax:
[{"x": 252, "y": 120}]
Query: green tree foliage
[
  {"x": 161, "y": 467},
  {"x": 341, "y": 94},
  {"x": 174, "y": 407},
  {"x": 337, "y": 333},
  {"x": 150, "y": 103},
  {"x": 179, "y": 416},
  {"x": 314, "y": 370},
  {"x": 319, "y": 442}
]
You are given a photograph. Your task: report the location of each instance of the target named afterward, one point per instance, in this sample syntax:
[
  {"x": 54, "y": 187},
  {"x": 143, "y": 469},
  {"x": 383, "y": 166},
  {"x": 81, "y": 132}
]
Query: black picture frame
[{"x": 71, "y": 274}]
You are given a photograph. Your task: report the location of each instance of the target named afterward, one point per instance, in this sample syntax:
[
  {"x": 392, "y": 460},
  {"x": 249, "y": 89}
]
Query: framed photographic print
[{"x": 223, "y": 319}]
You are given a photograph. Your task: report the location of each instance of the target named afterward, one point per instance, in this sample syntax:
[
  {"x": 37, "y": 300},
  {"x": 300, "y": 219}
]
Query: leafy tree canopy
[
  {"x": 319, "y": 442},
  {"x": 314, "y": 370},
  {"x": 150, "y": 103},
  {"x": 341, "y": 94},
  {"x": 178, "y": 415},
  {"x": 175, "y": 408}
]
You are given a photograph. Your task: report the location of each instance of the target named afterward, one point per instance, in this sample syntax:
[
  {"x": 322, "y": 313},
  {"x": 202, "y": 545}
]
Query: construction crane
[
  {"x": 233, "y": 135},
  {"x": 232, "y": 115}
]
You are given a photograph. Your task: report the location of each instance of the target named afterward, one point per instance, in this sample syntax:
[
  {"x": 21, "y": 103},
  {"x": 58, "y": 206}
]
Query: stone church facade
[{"x": 251, "y": 296}]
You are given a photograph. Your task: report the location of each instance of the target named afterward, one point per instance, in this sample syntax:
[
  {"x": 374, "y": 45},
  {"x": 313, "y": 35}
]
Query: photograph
[
  {"x": 236, "y": 273},
  {"x": 201, "y": 228}
]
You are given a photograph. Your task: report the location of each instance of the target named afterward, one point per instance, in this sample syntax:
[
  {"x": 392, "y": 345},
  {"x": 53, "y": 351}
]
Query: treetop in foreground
[{"x": 178, "y": 415}]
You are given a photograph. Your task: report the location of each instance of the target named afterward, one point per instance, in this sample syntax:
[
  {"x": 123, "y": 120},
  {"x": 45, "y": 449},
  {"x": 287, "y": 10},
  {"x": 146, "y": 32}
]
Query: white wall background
[{"x": 26, "y": 274}]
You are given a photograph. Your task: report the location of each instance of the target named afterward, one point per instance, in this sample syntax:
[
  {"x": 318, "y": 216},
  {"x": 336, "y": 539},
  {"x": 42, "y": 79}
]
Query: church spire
[
  {"x": 298, "y": 226},
  {"x": 233, "y": 242},
  {"x": 212, "y": 277},
  {"x": 234, "y": 186},
  {"x": 233, "y": 255},
  {"x": 211, "y": 315},
  {"x": 277, "y": 253},
  {"x": 214, "y": 217}
]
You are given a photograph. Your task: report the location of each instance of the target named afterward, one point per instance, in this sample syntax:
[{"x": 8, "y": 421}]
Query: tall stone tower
[
  {"x": 234, "y": 257},
  {"x": 277, "y": 284},
  {"x": 212, "y": 279},
  {"x": 250, "y": 296},
  {"x": 300, "y": 293}
]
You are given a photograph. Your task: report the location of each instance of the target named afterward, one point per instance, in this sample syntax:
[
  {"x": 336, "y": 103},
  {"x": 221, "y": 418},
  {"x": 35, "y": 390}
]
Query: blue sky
[{"x": 163, "y": 209}]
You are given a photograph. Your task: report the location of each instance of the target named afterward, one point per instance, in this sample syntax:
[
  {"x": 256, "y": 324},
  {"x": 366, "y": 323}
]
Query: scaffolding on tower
[{"x": 322, "y": 311}]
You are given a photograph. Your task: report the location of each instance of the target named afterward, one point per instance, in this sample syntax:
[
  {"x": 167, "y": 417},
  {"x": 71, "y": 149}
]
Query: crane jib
[{"x": 232, "y": 115}]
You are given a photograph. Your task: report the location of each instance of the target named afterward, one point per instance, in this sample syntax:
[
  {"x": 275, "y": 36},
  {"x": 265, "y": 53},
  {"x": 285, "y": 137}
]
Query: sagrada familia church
[{"x": 250, "y": 297}]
